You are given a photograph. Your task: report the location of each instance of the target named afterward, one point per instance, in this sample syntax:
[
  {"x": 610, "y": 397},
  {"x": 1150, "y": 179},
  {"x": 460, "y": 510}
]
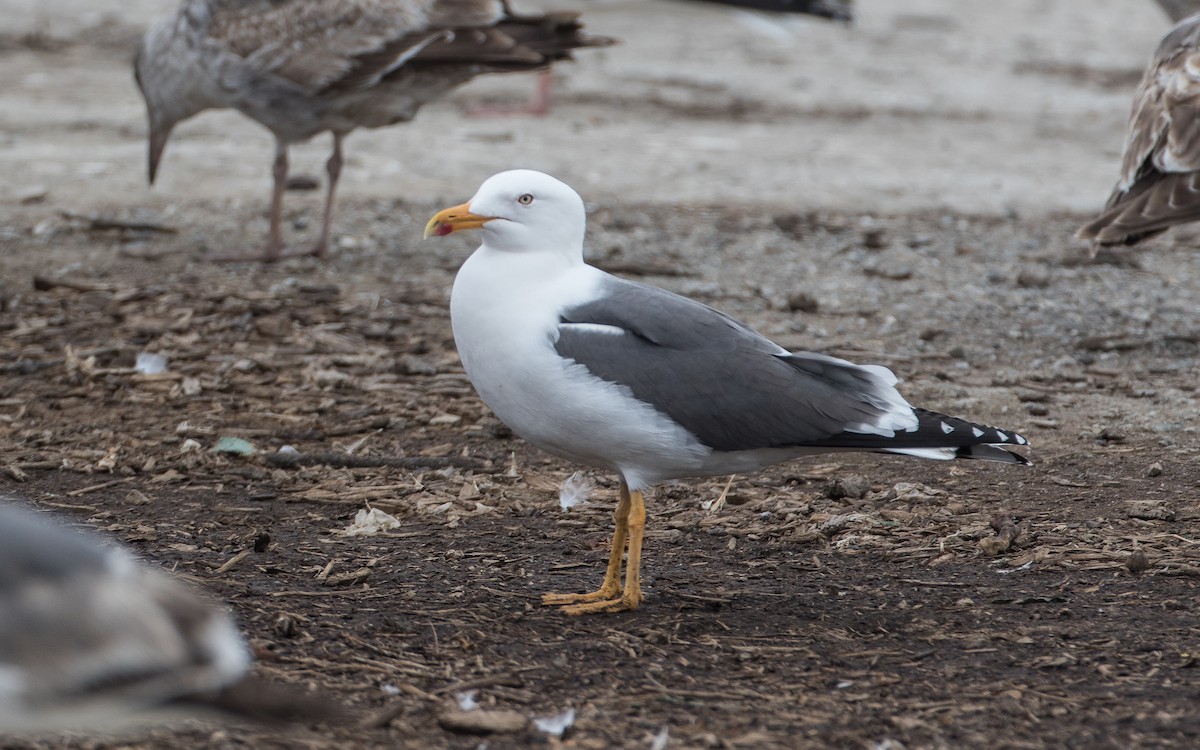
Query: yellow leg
[
  {"x": 631, "y": 596},
  {"x": 612, "y": 577}
]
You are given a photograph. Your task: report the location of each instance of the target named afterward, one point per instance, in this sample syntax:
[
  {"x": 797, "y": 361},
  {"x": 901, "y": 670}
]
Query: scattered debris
[
  {"x": 803, "y": 302},
  {"x": 371, "y": 521},
  {"x": 1137, "y": 562},
  {"x": 836, "y": 524},
  {"x": 483, "y": 721},
  {"x": 100, "y": 223},
  {"x": 911, "y": 492},
  {"x": 556, "y": 726},
  {"x": 467, "y": 700},
  {"x": 235, "y": 445},
  {"x": 1150, "y": 510},
  {"x": 1007, "y": 534},
  {"x": 714, "y": 505},
  {"x": 575, "y": 490},
  {"x": 293, "y": 459},
  {"x": 148, "y": 363},
  {"x": 851, "y": 486}
]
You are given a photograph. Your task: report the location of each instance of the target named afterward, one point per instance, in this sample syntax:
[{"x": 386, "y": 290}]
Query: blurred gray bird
[
  {"x": 89, "y": 636},
  {"x": 1160, "y": 171},
  {"x": 1179, "y": 9},
  {"x": 303, "y": 67}
]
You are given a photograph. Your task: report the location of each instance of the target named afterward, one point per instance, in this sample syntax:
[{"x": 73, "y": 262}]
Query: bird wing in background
[{"x": 1160, "y": 172}]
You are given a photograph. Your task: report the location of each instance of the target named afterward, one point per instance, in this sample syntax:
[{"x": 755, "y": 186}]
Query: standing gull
[
  {"x": 1160, "y": 171},
  {"x": 303, "y": 67},
  {"x": 649, "y": 384}
]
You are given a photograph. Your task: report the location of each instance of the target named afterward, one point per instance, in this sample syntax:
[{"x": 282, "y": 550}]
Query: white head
[{"x": 520, "y": 211}]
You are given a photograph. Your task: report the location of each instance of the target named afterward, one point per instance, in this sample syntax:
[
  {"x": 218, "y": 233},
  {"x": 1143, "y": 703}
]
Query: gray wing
[
  {"x": 1160, "y": 184},
  {"x": 729, "y": 386}
]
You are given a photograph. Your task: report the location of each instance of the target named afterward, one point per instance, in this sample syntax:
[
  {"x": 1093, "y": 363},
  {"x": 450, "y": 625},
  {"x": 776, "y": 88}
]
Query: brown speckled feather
[
  {"x": 303, "y": 67},
  {"x": 1160, "y": 183},
  {"x": 317, "y": 44}
]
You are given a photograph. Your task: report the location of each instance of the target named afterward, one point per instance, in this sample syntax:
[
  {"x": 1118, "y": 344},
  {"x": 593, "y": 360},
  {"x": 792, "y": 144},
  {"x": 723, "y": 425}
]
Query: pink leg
[
  {"x": 279, "y": 173},
  {"x": 334, "y": 168},
  {"x": 274, "y": 249},
  {"x": 538, "y": 106}
]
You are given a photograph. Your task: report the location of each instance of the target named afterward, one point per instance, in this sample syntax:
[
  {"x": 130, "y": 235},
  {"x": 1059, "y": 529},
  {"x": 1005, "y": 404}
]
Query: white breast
[{"x": 505, "y": 312}]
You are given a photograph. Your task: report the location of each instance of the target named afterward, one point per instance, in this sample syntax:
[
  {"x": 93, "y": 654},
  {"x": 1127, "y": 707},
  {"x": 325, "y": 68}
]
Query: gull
[
  {"x": 1160, "y": 170},
  {"x": 89, "y": 636},
  {"x": 304, "y": 67},
  {"x": 651, "y": 385}
]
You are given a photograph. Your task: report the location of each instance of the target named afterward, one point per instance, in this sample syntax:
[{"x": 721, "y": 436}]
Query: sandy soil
[{"x": 902, "y": 192}]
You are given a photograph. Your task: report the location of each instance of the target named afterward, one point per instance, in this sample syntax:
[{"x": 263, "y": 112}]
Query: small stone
[
  {"x": 1155, "y": 469},
  {"x": 1028, "y": 395},
  {"x": 302, "y": 182},
  {"x": 853, "y": 487},
  {"x": 32, "y": 194},
  {"x": 836, "y": 524},
  {"x": 899, "y": 272},
  {"x": 273, "y": 326},
  {"x": 494, "y": 427},
  {"x": 1137, "y": 561},
  {"x": 1033, "y": 278},
  {"x": 874, "y": 239},
  {"x": 412, "y": 365},
  {"x": 803, "y": 302},
  {"x": 795, "y": 226},
  {"x": 1150, "y": 510},
  {"x": 285, "y": 626},
  {"x": 483, "y": 722}
]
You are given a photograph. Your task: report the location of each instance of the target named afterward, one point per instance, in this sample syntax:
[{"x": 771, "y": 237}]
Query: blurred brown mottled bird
[
  {"x": 1160, "y": 171},
  {"x": 303, "y": 67}
]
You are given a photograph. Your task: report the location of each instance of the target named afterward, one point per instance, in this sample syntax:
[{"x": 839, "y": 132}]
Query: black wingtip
[{"x": 987, "y": 452}]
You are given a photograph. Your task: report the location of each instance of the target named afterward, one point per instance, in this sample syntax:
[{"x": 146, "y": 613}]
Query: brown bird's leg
[
  {"x": 274, "y": 249},
  {"x": 537, "y": 106},
  {"x": 606, "y": 599},
  {"x": 334, "y": 168},
  {"x": 279, "y": 172}
]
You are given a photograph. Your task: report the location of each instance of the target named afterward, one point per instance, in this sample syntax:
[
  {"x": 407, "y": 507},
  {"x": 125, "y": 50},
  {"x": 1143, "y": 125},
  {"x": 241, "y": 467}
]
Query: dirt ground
[{"x": 843, "y": 602}]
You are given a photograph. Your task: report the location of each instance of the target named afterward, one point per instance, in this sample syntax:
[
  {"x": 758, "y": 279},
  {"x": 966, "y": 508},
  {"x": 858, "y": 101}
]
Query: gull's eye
[{"x": 526, "y": 199}]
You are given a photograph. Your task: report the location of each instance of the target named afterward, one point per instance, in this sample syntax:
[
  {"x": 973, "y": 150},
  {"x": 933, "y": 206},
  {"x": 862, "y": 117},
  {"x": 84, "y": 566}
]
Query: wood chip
[{"x": 483, "y": 722}]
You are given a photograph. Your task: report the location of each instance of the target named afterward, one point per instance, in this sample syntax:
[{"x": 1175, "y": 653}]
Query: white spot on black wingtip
[
  {"x": 977, "y": 432},
  {"x": 1020, "y": 440},
  {"x": 1002, "y": 436},
  {"x": 947, "y": 428}
]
